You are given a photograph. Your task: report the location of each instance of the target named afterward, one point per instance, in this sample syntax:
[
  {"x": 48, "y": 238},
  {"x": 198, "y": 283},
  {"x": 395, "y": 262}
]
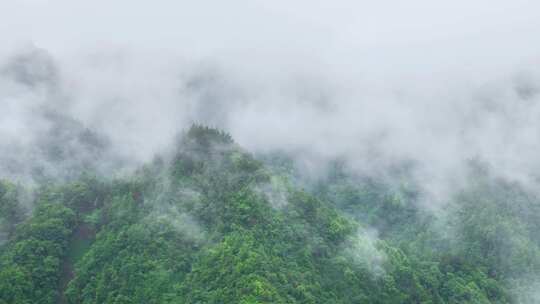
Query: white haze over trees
[{"x": 377, "y": 83}]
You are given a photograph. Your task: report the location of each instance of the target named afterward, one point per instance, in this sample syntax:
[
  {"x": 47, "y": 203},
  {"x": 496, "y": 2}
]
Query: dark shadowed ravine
[{"x": 80, "y": 242}]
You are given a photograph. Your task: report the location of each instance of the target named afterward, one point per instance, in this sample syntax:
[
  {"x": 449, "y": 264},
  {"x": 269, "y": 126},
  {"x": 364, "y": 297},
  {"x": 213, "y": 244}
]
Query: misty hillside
[
  {"x": 210, "y": 223},
  {"x": 248, "y": 151}
]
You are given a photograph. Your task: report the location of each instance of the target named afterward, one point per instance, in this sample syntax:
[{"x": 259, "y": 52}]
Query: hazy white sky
[{"x": 319, "y": 29}]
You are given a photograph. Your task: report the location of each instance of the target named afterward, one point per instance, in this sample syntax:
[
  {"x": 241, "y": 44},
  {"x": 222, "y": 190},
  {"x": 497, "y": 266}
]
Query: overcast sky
[{"x": 320, "y": 30}]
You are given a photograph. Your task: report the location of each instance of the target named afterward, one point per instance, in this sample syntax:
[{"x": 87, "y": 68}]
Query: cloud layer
[{"x": 378, "y": 84}]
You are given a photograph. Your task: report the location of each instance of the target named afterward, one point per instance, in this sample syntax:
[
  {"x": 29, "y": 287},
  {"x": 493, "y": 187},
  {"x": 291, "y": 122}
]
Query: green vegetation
[{"x": 212, "y": 224}]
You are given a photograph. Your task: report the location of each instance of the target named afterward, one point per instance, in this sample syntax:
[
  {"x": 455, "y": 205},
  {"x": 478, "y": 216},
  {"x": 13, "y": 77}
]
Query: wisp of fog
[{"x": 431, "y": 84}]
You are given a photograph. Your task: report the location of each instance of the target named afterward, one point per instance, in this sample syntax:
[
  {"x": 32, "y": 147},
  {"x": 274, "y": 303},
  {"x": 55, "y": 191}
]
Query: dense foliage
[{"x": 213, "y": 224}]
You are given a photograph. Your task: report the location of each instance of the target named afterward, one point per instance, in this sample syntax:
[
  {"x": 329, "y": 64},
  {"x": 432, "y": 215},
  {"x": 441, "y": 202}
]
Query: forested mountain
[{"x": 212, "y": 223}]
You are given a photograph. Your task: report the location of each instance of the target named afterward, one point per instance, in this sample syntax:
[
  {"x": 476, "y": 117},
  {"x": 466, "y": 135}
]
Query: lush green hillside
[{"x": 211, "y": 223}]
